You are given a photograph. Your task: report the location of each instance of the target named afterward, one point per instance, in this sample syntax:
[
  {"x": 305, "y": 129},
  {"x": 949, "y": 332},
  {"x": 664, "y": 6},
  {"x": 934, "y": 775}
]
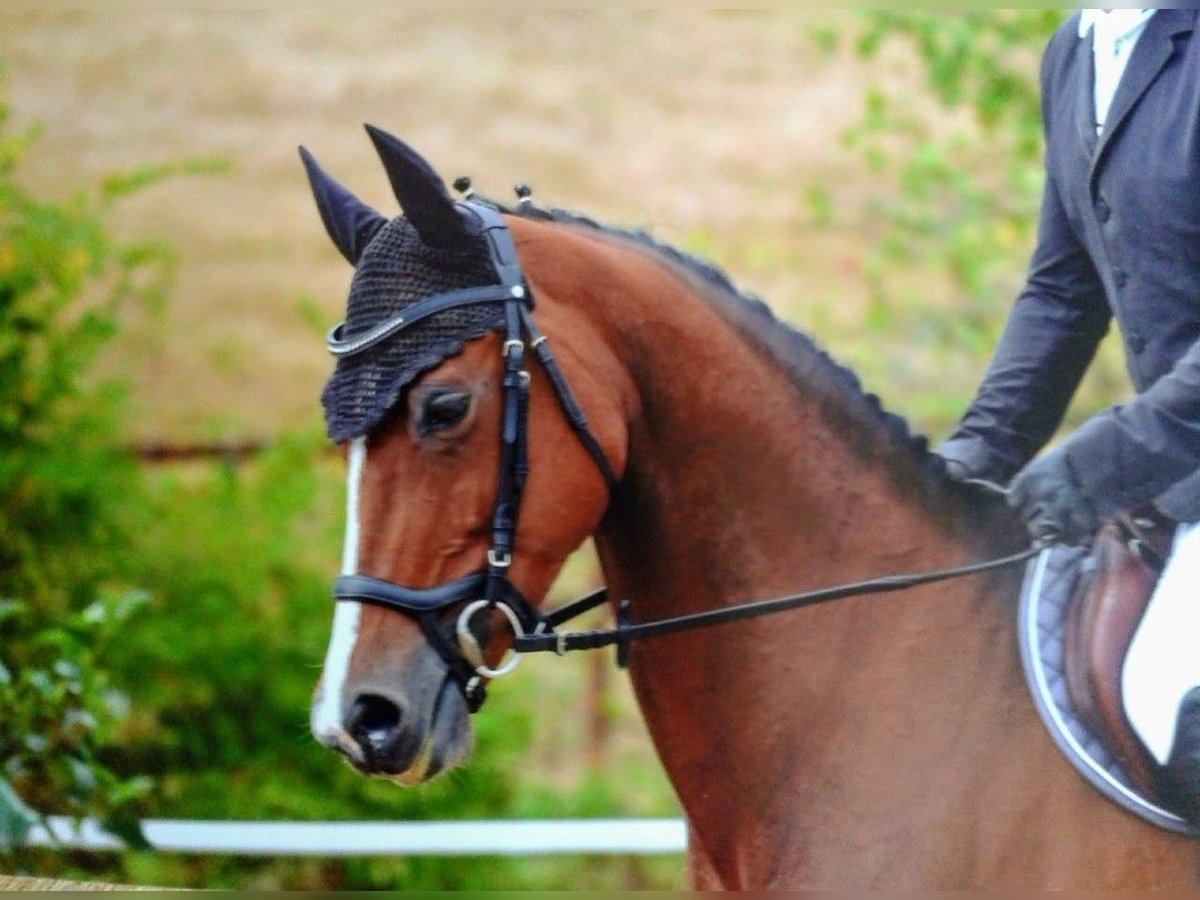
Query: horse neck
[
  {"x": 755, "y": 464},
  {"x": 746, "y": 479}
]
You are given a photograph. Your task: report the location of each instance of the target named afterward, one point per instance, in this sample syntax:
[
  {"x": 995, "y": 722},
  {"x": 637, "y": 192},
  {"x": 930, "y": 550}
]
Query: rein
[
  {"x": 547, "y": 640},
  {"x": 490, "y": 588}
]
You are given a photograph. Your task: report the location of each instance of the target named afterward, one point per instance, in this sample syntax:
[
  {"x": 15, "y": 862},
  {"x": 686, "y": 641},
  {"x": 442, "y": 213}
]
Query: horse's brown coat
[{"x": 880, "y": 742}]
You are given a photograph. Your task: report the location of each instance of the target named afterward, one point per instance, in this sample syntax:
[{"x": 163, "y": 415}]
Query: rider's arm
[
  {"x": 1050, "y": 338},
  {"x": 1130, "y": 454}
]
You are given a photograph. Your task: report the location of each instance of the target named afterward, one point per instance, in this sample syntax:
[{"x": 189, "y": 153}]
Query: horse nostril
[{"x": 373, "y": 720}]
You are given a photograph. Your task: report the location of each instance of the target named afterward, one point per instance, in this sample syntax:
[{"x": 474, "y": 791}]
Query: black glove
[
  {"x": 1047, "y": 495},
  {"x": 956, "y": 469},
  {"x": 966, "y": 466}
]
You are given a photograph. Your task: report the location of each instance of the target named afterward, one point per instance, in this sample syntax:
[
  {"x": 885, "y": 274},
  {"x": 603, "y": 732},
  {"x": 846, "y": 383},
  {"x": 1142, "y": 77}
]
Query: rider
[{"x": 1118, "y": 236}]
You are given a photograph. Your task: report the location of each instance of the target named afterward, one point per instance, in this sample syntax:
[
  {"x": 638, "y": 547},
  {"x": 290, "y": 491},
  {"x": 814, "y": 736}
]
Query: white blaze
[{"x": 327, "y": 711}]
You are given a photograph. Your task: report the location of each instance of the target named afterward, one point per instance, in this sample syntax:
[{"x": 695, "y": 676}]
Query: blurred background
[{"x": 170, "y": 513}]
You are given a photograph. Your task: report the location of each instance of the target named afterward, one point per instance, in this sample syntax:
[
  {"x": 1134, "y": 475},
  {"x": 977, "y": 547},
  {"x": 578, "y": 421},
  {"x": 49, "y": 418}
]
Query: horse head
[{"x": 449, "y": 545}]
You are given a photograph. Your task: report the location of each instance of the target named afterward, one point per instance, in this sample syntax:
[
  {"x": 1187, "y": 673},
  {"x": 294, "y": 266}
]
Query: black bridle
[{"x": 491, "y": 588}]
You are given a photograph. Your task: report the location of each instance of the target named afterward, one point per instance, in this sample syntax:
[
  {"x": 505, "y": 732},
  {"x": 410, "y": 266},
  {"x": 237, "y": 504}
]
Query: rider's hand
[
  {"x": 1047, "y": 495},
  {"x": 966, "y": 461},
  {"x": 956, "y": 470}
]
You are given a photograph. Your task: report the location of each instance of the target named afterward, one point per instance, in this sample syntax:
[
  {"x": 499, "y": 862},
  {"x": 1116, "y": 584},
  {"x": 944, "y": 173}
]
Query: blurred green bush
[{"x": 63, "y": 281}]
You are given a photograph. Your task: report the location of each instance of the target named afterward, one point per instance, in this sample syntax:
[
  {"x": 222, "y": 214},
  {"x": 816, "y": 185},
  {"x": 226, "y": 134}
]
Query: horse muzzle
[{"x": 388, "y": 733}]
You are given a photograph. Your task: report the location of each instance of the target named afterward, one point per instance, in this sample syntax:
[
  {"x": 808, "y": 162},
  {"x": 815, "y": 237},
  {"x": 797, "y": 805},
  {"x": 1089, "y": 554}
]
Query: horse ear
[
  {"x": 350, "y": 222},
  {"x": 422, "y": 194}
]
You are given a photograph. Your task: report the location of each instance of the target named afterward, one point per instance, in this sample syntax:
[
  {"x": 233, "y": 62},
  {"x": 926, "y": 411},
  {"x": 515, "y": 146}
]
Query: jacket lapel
[
  {"x": 1085, "y": 93},
  {"x": 1154, "y": 49}
]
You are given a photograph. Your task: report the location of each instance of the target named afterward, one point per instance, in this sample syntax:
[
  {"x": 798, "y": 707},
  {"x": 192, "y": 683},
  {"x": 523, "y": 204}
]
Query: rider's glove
[{"x": 1048, "y": 497}]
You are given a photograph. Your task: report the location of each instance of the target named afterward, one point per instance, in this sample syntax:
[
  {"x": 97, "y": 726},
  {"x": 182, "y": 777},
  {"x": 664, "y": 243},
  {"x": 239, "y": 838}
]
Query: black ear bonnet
[
  {"x": 435, "y": 247},
  {"x": 395, "y": 271}
]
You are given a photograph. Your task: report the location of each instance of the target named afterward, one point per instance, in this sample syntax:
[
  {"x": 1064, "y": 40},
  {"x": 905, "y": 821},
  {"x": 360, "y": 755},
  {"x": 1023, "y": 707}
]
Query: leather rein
[{"x": 490, "y": 588}]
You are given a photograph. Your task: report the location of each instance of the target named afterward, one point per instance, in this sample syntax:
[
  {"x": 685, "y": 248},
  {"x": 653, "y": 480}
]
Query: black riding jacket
[{"x": 1118, "y": 237}]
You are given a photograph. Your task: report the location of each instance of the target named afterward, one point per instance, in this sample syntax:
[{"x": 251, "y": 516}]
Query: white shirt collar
[{"x": 1123, "y": 20}]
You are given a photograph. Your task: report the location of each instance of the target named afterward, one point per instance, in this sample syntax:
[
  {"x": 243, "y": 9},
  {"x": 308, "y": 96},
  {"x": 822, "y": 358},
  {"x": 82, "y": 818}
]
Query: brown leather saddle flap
[{"x": 1109, "y": 602}]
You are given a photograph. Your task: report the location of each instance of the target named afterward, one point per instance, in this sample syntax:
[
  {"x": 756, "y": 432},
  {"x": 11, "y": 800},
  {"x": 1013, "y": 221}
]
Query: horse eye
[{"x": 442, "y": 410}]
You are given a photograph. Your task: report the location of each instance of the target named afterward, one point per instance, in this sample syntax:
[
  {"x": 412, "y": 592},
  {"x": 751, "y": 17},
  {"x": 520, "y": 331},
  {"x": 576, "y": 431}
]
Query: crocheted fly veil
[
  {"x": 395, "y": 271},
  {"x": 429, "y": 250}
]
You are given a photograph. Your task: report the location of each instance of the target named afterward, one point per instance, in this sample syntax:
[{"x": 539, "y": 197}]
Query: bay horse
[{"x": 715, "y": 455}]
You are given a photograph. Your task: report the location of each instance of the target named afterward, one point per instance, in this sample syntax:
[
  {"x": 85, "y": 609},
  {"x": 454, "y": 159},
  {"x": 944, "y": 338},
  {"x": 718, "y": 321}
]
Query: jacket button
[
  {"x": 1137, "y": 342},
  {"x": 1102, "y": 211},
  {"x": 1120, "y": 277}
]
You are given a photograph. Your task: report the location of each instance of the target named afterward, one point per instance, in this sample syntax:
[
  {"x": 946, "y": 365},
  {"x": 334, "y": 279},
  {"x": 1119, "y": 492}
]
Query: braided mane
[{"x": 848, "y": 407}]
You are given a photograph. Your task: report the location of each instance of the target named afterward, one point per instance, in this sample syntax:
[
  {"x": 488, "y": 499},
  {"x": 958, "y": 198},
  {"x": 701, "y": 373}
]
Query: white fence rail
[{"x": 481, "y": 838}]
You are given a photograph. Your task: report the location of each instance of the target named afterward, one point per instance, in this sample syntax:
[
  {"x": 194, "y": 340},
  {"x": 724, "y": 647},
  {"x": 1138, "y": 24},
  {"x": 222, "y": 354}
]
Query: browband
[{"x": 492, "y": 293}]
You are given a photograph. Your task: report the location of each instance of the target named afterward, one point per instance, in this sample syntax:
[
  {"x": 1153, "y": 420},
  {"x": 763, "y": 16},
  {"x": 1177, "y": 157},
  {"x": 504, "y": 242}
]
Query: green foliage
[
  {"x": 58, "y": 705},
  {"x": 968, "y": 188},
  {"x": 63, "y": 281}
]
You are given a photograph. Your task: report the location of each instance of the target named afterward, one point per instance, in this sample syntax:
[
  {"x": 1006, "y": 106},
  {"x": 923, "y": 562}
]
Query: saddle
[
  {"x": 1079, "y": 612},
  {"x": 1116, "y": 582}
]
